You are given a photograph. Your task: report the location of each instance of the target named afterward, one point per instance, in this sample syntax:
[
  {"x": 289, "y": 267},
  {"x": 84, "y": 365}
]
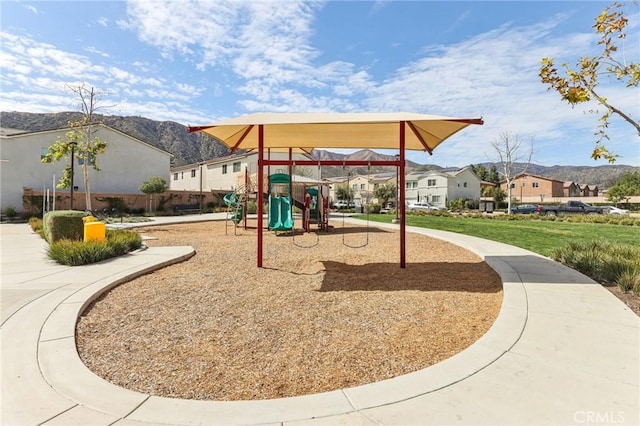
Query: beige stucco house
[
  {"x": 125, "y": 165},
  {"x": 226, "y": 174}
]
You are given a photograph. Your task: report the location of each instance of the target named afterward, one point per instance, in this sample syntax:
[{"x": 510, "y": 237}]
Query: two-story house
[
  {"x": 441, "y": 187},
  {"x": 124, "y": 166},
  {"x": 526, "y": 185},
  {"x": 570, "y": 189},
  {"x": 225, "y": 174}
]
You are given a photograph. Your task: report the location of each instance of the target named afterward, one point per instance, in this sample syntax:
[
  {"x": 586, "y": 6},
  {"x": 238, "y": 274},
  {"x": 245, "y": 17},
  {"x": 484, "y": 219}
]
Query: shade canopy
[{"x": 307, "y": 131}]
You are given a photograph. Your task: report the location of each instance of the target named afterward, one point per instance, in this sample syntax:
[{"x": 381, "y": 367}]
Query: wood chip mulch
[{"x": 314, "y": 319}]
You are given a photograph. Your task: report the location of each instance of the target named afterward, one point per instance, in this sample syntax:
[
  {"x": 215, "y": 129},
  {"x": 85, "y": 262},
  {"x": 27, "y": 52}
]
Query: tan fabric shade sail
[
  {"x": 265, "y": 132},
  {"x": 307, "y": 131}
]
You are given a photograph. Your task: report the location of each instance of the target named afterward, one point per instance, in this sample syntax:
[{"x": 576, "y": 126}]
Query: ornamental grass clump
[
  {"x": 605, "y": 262},
  {"x": 75, "y": 253}
]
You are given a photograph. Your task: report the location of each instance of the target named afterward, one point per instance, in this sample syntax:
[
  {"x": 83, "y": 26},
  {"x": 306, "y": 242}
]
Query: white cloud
[
  {"x": 262, "y": 58},
  {"x": 36, "y": 77}
]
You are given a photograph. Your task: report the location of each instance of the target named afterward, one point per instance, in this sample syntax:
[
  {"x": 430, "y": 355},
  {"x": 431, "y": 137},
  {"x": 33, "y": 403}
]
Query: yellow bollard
[{"x": 94, "y": 231}]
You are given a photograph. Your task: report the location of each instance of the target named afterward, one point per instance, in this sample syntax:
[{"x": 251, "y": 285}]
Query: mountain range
[{"x": 190, "y": 148}]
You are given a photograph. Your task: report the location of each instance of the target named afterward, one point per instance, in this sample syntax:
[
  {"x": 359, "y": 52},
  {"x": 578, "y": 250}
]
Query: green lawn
[{"x": 541, "y": 237}]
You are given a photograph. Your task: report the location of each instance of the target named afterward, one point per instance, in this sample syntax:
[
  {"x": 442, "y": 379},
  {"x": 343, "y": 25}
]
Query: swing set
[{"x": 303, "y": 132}]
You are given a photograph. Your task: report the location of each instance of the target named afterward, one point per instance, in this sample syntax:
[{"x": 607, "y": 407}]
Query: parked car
[
  {"x": 386, "y": 208},
  {"x": 423, "y": 206},
  {"x": 571, "y": 207},
  {"x": 342, "y": 204},
  {"x": 525, "y": 209},
  {"x": 615, "y": 210}
]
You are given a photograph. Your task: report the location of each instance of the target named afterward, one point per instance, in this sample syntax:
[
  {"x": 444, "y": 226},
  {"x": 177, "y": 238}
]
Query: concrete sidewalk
[{"x": 562, "y": 351}]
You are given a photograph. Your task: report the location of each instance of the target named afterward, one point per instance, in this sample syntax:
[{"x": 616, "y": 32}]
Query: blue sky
[{"x": 196, "y": 62}]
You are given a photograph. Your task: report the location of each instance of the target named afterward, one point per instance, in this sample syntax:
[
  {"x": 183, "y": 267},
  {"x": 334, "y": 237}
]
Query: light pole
[{"x": 73, "y": 147}]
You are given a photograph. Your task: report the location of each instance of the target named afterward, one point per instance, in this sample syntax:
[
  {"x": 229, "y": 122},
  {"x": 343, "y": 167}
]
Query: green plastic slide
[
  {"x": 280, "y": 214},
  {"x": 286, "y": 213}
]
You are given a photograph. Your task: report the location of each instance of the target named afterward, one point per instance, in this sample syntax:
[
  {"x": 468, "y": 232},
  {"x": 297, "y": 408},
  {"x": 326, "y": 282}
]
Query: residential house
[
  {"x": 333, "y": 183},
  {"x": 359, "y": 184},
  {"x": 571, "y": 189},
  {"x": 441, "y": 187},
  {"x": 377, "y": 180},
  {"x": 225, "y": 174},
  {"x": 527, "y": 185},
  {"x": 588, "y": 190},
  {"x": 124, "y": 166}
]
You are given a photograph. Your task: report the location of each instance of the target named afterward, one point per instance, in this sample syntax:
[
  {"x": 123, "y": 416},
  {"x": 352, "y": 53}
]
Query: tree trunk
[{"x": 87, "y": 188}]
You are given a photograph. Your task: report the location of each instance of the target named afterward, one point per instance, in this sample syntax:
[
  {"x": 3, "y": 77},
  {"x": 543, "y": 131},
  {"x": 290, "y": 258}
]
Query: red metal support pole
[
  {"x": 246, "y": 198},
  {"x": 403, "y": 223},
  {"x": 260, "y": 187}
]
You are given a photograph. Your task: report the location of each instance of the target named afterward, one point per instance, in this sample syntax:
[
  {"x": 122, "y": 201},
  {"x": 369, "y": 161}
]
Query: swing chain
[{"x": 368, "y": 211}]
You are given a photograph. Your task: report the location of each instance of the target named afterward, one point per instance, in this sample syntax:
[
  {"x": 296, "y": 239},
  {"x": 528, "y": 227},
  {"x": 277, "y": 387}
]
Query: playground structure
[
  {"x": 236, "y": 202},
  {"x": 313, "y": 199},
  {"x": 284, "y": 192},
  {"x": 303, "y": 132}
]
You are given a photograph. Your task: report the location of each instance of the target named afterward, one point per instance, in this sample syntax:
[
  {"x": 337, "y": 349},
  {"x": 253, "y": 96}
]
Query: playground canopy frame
[{"x": 295, "y": 132}]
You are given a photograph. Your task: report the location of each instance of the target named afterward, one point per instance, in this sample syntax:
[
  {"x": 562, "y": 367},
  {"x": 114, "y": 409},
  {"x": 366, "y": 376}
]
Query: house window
[
  {"x": 193, "y": 173},
  {"x": 431, "y": 182},
  {"x": 354, "y": 186},
  {"x": 513, "y": 185},
  {"x": 414, "y": 185},
  {"x": 435, "y": 198},
  {"x": 81, "y": 159},
  {"x": 236, "y": 167},
  {"x": 224, "y": 169},
  {"x": 464, "y": 184},
  {"x": 43, "y": 152},
  {"x": 175, "y": 176},
  {"x": 181, "y": 175},
  {"x": 362, "y": 187},
  {"x": 535, "y": 184}
]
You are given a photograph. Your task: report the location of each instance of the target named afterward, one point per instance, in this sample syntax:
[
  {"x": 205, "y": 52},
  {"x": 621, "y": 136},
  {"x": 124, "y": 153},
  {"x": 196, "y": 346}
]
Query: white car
[
  {"x": 422, "y": 205},
  {"x": 616, "y": 211},
  {"x": 341, "y": 204}
]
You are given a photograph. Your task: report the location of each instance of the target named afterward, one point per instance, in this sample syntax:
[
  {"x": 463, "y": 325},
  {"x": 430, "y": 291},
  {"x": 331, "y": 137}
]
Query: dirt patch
[{"x": 312, "y": 320}]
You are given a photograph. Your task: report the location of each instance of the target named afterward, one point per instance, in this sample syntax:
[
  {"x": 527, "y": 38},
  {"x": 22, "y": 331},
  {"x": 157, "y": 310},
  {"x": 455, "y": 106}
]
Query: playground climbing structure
[{"x": 236, "y": 203}]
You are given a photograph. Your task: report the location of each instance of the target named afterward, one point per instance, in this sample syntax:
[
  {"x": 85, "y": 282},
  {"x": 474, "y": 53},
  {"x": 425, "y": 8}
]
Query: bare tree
[
  {"x": 511, "y": 154},
  {"x": 80, "y": 141}
]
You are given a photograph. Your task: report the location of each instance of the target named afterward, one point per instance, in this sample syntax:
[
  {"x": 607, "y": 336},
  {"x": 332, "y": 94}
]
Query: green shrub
[
  {"x": 457, "y": 204},
  {"x": 63, "y": 225},
  {"x": 252, "y": 207},
  {"x": 127, "y": 240},
  {"x": 74, "y": 253},
  {"x": 36, "y": 224},
  {"x": 636, "y": 285},
  {"x": 628, "y": 281},
  {"x": 10, "y": 212},
  {"x": 604, "y": 262},
  {"x": 373, "y": 208}
]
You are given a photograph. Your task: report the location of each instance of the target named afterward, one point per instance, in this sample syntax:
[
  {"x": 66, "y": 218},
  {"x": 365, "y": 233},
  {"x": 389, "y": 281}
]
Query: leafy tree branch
[{"x": 580, "y": 83}]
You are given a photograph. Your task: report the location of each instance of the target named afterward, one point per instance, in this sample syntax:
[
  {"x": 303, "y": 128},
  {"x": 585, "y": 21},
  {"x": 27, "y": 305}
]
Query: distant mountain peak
[{"x": 191, "y": 148}]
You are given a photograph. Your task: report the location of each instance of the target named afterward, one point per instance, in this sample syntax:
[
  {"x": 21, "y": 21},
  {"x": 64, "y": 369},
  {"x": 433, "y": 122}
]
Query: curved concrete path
[{"x": 563, "y": 350}]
